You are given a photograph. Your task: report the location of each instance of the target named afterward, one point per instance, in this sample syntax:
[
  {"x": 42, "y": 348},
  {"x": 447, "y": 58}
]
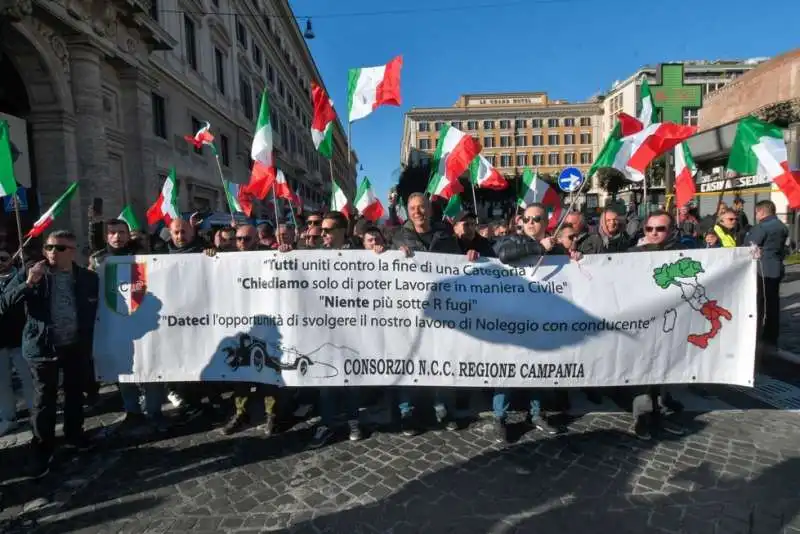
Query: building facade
[{"x": 103, "y": 92}]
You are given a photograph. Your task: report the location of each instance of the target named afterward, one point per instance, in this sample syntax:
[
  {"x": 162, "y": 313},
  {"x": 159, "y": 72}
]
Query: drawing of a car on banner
[{"x": 256, "y": 353}]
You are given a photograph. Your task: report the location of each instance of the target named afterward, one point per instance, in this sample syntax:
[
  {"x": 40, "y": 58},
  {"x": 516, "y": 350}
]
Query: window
[
  {"x": 554, "y": 159},
  {"x": 290, "y": 101},
  {"x": 488, "y": 125},
  {"x": 586, "y": 121},
  {"x": 537, "y": 140},
  {"x": 536, "y": 123},
  {"x": 553, "y": 139},
  {"x": 281, "y": 88},
  {"x": 505, "y": 141},
  {"x": 424, "y": 127},
  {"x": 538, "y": 160},
  {"x": 569, "y": 122},
  {"x": 271, "y": 74},
  {"x": 159, "y": 106},
  {"x": 586, "y": 139},
  {"x": 196, "y": 128},
  {"x": 438, "y": 125},
  {"x": 569, "y": 139},
  {"x": 424, "y": 144},
  {"x": 241, "y": 34},
  {"x": 522, "y": 160},
  {"x": 488, "y": 142},
  {"x": 505, "y": 160},
  {"x": 219, "y": 69},
  {"x": 492, "y": 159},
  {"x": 690, "y": 116},
  {"x": 224, "y": 151},
  {"x": 521, "y": 123},
  {"x": 246, "y": 97},
  {"x": 292, "y": 142},
  {"x": 456, "y": 125},
  {"x": 521, "y": 140},
  {"x": 586, "y": 158},
  {"x": 569, "y": 158},
  {"x": 505, "y": 124},
  {"x": 258, "y": 58},
  {"x": 154, "y": 9},
  {"x": 191, "y": 41},
  {"x": 552, "y": 123},
  {"x": 284, "y": 134},
  {"x": 472, "y": 125}
]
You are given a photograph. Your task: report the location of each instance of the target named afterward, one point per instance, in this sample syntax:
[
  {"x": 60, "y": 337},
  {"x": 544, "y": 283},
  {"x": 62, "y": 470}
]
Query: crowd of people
[{"x": 47, "y": 313}]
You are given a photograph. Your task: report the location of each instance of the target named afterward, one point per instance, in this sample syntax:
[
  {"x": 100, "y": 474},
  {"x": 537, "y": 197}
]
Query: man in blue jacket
[{"x": 60, "y": 304}]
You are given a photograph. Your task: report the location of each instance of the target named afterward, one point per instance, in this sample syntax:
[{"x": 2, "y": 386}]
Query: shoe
[
  {"x": 7, "y": 426},
  {"x": 499, "y": 432},
  {"x": 669, "y": 405},
  {"x": 451, "y": 425},
  {"x": 322, "y": 435},
  {"x": 269, "y": 425},
  {"x": 355, "y": 431},
  {"x": 641, "y": 428},
  {"x": 541, "y": 424},
  {"x": 441, "y": 414},
  {"x": 175, "y": 399},
  {"x": 236, "y": 424},
  {"x": 672, "y": 427},
  {"x": 408, "y": 426},
  {"x": 79, "y": 444}
]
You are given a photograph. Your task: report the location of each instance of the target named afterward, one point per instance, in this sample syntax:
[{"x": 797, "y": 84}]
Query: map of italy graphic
[{"x": 683, "y": 274}]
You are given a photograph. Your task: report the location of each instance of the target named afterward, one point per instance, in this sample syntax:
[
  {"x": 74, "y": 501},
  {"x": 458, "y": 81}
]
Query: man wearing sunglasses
[
  {"x": 725, "y": 229},
  {"x": 312, "y": 236},
  {"x": 61, "y": 305}
]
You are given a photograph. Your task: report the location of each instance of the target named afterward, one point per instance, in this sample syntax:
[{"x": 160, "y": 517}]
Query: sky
[{"x": 571, "y": 49}]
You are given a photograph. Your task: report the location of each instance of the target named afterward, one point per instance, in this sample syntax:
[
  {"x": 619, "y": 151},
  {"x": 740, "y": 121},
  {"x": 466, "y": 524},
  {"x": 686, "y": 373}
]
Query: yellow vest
[{"x": 727, "y": 240}]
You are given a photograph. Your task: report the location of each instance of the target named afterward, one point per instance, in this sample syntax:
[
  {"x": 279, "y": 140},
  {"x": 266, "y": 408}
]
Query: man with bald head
[{"x": 183, "y": 238}]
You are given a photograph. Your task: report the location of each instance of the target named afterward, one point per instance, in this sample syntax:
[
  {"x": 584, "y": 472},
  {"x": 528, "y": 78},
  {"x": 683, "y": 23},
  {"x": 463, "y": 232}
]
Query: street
[{"x": 736, "y": 471}]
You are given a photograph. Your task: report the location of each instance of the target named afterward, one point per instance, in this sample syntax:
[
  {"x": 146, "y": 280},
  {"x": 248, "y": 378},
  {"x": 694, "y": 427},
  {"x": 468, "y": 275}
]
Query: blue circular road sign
[{"x": 570, "y": 179}]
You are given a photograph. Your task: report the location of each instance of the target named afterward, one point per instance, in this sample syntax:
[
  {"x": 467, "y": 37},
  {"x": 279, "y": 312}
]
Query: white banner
[{"x": 329, "y": 318}]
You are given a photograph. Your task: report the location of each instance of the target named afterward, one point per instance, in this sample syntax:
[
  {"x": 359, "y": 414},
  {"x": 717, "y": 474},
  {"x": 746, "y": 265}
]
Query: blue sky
[{"x": 572, "y": 49}]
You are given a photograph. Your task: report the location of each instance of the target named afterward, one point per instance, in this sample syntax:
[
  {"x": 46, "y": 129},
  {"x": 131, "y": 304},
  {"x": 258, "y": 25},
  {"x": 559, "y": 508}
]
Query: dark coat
[
  {"x": 514, "y": 248},
  {"x": 198, "y": 245},
  {"x": 673, "y": 242},
  {"x": 12, "y": 321},
  {"x": 597, "y": 243},
  {"x": 36, "y": 338},
  {"x": 439, "y": 239},
  {"x": 770, "y": 235},
  {"x": 479, "y": 244}
]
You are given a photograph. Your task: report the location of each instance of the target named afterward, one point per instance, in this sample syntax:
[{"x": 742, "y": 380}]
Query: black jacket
[
  {"x": 479, "y": 244},
  {"x": 96, "y": 259},
  {"x": 12, "y": 321},
  {"x": 36, "y": 338},
  {"x": 673, "y": 242},
  {"x": 198, "y": 245},
  {"x": 440, "y": 239},
  {"x": 513, "y": 248},
  {"x": 597, "y": 243},
  {"x": 771, "y": 235}
]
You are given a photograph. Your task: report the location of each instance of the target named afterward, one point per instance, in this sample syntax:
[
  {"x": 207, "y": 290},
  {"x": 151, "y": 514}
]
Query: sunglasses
[
  {"x": 655, "y": 229},
  {"x": 57, "y": 248},
  {"x": 329, "y": 230},
  {"x": 535, "y": 219}
]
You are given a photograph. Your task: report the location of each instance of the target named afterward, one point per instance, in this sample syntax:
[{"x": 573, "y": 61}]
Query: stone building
[{"x": 103, "y": 91}]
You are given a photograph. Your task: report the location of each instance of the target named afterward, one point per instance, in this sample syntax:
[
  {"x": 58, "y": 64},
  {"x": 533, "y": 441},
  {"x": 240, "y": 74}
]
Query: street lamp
[{"x": 309, "y": 33}]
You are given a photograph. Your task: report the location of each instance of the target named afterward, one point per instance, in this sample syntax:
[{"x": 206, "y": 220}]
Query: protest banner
[{"x": 335, "y": 318}]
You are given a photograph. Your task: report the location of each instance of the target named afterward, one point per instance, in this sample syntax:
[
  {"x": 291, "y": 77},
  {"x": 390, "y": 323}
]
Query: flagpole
[
  {"x": 646, "y": 202},
  {"x": 475, "y": 202},
  {"x": 19, "y": 229},
  {"x": 349, "y": 133},
  {"x": 275, "y": 209}
]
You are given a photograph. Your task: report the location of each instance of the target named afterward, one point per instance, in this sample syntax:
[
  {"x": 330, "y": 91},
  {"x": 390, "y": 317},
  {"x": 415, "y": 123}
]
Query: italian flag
[
  {"x": 453, "y": 208},
  {"x": 165, "y": 207},
  {"x": 262, "y": 175},
  {"x": 47, "y": 218},
  {"x": 202, "y": 137},
  {"x": 8, "y": 183},
  {"x": 485, "y": 176},
  {"x": 371, "y": 87},
  {"x": 367, "y": 204},
  {"x": 759, "y": 148},
  {"x": 129, "y": 217},
  {"x": 535, "y": 190},
  {"x": 339, "y": 200},
  {"x": 125, "y": 286},
  {"x": 685, "y": 169},
  {"x": 454, "y": 153},
  {"x": 646, "y": 105},
  {"x": 283, "y": 189},
  {"x": 232, "y": 195},
  {"x": 323, "y": 121}
]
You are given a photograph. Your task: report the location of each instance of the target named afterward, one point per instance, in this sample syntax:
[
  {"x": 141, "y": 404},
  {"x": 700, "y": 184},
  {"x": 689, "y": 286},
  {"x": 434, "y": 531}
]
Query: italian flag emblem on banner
[{"x": 125, "y": 286}]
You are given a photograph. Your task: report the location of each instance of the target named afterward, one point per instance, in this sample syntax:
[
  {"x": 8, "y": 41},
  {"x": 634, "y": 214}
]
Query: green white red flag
[
  {"x": 165, "y": 207},
  {"x": 323, "y": 122},
  {"x": 232, "y": 196},
  {"x": 46, "y": 220},
  {"x": 453, "y": 208},
  {"x": 759, "y": 148},
  {"x": 202, "y": 137},
  {"x": 485, "y": 176},
  {"x": 284, "y": 190},
  {"x": 685, "y": 169},
  {"x": 129, "y": 217},
  {"x": 339, "y": 200},
  {"x": 8, "y": 182},
  {"x": 262, "y": 175},
  {"x": 647, "y": 108},
  {"x": 535, "y": 190},
  {"x": 455, "y": 150},
  {"x": 367, "y": 203},
  {"x": 371, "y": 87}
]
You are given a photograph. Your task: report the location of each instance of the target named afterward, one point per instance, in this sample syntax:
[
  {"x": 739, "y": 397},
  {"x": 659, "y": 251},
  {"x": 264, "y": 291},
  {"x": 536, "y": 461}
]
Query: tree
[{"x": 612, "y": 181}]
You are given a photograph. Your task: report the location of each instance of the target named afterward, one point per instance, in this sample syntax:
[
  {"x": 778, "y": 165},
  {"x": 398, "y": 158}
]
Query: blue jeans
[
  {"x": 500, "y": 405},
  {"x": 154, "y": 395},
  {"x": 331, "y": 400},
  {"x": 443, "y": 401}
]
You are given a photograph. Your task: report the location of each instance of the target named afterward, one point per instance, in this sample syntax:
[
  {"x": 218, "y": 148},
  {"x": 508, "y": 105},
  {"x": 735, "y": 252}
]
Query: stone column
[
  {"x": 140, "y": 170},
  {"x": 90, "y": 132}
]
